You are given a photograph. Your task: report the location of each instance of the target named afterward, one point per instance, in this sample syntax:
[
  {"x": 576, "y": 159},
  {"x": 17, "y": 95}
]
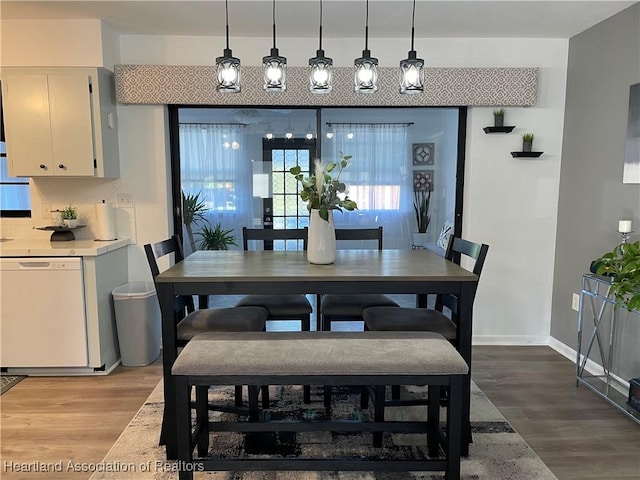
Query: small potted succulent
[
  {"x": 70, "y": 216},
  {"x": 498, "y": 117},
  {"x": 527, "y": 142}
]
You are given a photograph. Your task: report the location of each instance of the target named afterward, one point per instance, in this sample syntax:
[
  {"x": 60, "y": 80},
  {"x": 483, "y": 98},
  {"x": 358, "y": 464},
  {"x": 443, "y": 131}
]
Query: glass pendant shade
[
  {"x": 366, "y": 67},
  {"x": 275, "y": 72},
  {"x": 228, "y": 66},
  {"x": 274, "y": 66},
  {"x": 412, "y": 74},
  {"x": 228, "y": 72},
  {"x": 321, "y": 73},
  {"x": 366, "y": 73}
]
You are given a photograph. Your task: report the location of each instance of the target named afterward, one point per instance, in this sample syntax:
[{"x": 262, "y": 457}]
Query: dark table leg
[
  {"x": 465, "y": 330},
  {"x": 169, "y": 352}
]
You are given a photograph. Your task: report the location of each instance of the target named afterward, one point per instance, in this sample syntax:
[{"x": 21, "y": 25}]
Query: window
[
  {"x": 248, "y": 183},
  {"x": 14, "y": 192}
]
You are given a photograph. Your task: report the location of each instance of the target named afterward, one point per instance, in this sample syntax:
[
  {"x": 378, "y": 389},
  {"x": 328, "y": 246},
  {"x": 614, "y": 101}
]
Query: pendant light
[
  {"x": 366, "y": 67},
  {"x": 411, "y": 69},
  {"x": 321, "y": 68},
  {"x": 228, "y": 66},
  {"x": 275, "y": 66}
]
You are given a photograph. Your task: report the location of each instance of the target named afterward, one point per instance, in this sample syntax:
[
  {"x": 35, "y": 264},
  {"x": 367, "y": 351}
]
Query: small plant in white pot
[
  {"x": 421, "y": 201},
  {"x": 70, "y": 216}
]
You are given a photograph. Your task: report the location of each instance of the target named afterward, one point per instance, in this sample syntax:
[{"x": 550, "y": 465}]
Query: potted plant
[
  {"x": 216, "y": 238},
  {"x": 323, "y": 194},
  {"x": 527, "y": 142},
  {"x": 193, "y": 214},
  {"x": 421, "y": 201},
  {"x": 70, "y": 216},
  {"x": 623, "y": 266},
  {"x": 498, "y": 117}
]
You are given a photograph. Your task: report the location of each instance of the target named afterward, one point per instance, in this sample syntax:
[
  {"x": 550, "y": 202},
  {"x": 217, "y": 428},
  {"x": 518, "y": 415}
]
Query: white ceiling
[{"x": 341, "y": 18}]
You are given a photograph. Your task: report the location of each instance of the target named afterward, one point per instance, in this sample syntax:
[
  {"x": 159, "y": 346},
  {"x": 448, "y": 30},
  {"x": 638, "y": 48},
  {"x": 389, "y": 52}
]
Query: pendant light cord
[
  {"x": 274, "y": 24},
  {"x": 366, "y": 29},
  {"x": 320, "y": 36},
  {"x": 413, "y": 18},
  {"x": 226, "y": 8}
]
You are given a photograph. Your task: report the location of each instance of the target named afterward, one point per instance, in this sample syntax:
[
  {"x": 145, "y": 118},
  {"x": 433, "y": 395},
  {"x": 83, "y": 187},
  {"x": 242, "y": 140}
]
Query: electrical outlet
[
  {"x": 575, "y": 302},
  {"x": 125, "y": 200},
  {"x": 46, "y": 210}
]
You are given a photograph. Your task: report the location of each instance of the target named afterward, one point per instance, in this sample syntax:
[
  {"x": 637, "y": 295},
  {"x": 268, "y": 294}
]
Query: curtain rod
[{"x": 406, "y": 124}]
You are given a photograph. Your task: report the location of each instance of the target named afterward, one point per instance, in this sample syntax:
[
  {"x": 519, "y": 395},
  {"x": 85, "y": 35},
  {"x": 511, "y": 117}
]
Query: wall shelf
[
  {"x": 526, "y": 154},
  {"x": 506, "y": 129}
]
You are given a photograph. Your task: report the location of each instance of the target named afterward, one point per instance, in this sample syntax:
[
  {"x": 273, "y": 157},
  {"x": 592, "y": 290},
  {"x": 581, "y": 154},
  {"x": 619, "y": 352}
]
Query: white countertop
[{"x": 45, "y": 248}]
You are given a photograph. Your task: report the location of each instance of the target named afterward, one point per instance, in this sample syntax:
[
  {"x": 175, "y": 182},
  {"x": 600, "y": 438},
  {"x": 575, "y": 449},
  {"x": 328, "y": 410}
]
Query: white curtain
[
  {"x": 213, "y": 161},
  {"x": 378, "y": 179}
]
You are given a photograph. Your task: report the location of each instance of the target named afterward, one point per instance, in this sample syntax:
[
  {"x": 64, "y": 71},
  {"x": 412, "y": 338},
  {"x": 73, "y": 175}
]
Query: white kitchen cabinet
[{"x": 60, "y": 122}]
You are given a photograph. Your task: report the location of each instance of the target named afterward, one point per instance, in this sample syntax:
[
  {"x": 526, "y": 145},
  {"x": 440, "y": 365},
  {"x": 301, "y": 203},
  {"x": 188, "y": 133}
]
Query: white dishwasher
[{"x": 42, "y": 316}]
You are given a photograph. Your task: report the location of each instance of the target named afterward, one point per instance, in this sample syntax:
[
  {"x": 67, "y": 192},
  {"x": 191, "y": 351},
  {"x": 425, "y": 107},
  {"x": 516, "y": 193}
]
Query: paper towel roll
[{"x": 106, "y": 227}]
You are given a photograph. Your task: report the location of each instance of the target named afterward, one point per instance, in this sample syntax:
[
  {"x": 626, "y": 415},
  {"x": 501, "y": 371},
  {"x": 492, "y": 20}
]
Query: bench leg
[
  {"x": 433, "y": 420},
  {"x": 183, "y": 425},
  {"x": 378, "y": 412},
  {"x": 238, "y": 395},
  {"x": 253, "y": 403},
  {"x": 264, "y": 390},
  {"x": 306, "y": 389},
  {"x": 454, "y": 428},
  {"x": 327, "y": 396},
  {"x": 395, "y": 392},
  {"x": 202, "y": 419}
]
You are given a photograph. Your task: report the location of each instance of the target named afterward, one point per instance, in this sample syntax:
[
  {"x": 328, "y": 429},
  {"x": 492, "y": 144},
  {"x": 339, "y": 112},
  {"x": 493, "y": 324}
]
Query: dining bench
[{"x": 320, "y": 358}]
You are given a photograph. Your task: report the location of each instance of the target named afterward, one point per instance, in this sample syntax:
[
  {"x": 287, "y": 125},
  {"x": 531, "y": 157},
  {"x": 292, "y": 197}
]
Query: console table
[{"x": 598, "y": 305}]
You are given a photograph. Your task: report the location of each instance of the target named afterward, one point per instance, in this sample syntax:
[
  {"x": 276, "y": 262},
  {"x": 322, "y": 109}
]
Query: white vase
[
  {"x": 71, "y": 222},
  {"x": 321, "y": 247},
  {"x": 419, "y": 240}
]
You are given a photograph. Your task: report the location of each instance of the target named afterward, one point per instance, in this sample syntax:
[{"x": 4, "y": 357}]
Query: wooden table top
[{"x": 280, "y": 266}]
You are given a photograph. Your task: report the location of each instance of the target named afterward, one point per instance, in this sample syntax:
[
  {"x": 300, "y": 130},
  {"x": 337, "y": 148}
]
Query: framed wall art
[{"x": 423, "y": 154}]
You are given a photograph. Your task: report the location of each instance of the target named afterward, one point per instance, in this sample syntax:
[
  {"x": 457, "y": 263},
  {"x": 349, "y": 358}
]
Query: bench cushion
[{"x": 319, "y": 353}]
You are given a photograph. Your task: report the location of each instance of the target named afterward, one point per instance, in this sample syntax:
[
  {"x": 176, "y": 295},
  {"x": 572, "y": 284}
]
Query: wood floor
[{"x": 576, "y": 433}]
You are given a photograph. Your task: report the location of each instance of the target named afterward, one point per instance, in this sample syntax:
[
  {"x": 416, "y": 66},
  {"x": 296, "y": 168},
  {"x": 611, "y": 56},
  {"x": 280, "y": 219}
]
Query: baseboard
[{"x": 507, "y": 340}]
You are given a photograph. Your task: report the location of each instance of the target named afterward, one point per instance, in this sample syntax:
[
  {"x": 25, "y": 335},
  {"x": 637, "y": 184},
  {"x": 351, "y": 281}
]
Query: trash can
[{"x": 137, "y": 322}]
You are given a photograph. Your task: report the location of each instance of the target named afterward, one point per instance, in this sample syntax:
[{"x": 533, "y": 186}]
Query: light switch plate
[
  {"x": 125, "y": 199},
  {"x": 575, "y": 302}
]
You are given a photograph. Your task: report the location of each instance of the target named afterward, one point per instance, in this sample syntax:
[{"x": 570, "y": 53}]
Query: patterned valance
[{"x": 195, "y": 85}]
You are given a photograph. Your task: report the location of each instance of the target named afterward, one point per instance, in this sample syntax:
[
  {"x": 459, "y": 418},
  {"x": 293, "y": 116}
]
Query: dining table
[{"x": 233, "y": 272}]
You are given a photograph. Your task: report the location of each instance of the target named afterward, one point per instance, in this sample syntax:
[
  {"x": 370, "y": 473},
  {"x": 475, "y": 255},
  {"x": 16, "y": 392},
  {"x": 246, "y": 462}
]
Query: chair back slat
[
  {"x": 268, "y": 234},
  {"x": 360, "y": 234},
  {"x": 158, "y": 250},
  {"x": 458, "y": 246}
]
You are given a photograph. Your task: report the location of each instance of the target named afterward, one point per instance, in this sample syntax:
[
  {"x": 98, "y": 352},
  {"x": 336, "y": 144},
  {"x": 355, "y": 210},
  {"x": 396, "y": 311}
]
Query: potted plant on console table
[{"x": 623, "y": 266}]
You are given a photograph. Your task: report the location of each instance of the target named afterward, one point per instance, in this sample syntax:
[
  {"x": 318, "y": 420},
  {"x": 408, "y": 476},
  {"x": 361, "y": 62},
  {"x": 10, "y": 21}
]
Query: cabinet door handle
[
  {"x": 61, "y": 166},
  {"x": 43, "y": 166}
]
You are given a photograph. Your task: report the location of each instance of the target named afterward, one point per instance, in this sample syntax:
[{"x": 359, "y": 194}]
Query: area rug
[
  {"x": 8, "y": 381},
  {"x": 498, "y": 452}
]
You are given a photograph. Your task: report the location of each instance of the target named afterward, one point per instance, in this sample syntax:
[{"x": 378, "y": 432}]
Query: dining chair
[
  {"x": 422, "y": 319},
  {"x": 279, "y": 306},
  {"x": 190, "y": 322},
  {"x": 337, "y": 307},
  {"x": 340, "y": 307}
]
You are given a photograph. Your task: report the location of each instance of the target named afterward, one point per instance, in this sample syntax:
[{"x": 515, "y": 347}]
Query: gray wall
[{"x": 603, "y": 62}]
